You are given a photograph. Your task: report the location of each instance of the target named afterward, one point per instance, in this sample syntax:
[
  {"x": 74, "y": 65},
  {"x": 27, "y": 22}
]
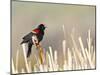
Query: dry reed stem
[
  {"x": 64, "y": 49},
  {"x": 13, "y": 67},
  {"x": 82, "y": 48},
  {"x": 50, "y": 62},
  {"x": 29, "y": 63},
  {"x": 22, "y": 71},
  {"x": 77, "y": 52},
  {"x": 76, "y": 61},
  {"x": 55, "y": 61},
  {"x": 41, "y": 55},
  {"x": 69, "y": 60},
  {"x": 51, "y": 57},
  {"x": 89, "y": 42},
  {"x": 83, "y": 53},
  {"x": 17, "y": 54},
  {"x": 25, "y": 58},
  {"x": 64, "y": 31}
]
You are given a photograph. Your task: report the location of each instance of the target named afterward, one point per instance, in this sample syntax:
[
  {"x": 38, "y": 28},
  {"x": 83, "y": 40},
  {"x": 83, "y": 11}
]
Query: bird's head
[{"x": 42, "y": 27}]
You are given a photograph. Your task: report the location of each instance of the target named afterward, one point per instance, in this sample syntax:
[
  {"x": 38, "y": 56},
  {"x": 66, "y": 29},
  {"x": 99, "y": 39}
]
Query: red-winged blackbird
[{"x": 36, "y": 35}]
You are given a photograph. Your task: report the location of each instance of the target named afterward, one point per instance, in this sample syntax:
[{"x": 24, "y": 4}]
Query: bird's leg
[{"x": 36, "y": 43}]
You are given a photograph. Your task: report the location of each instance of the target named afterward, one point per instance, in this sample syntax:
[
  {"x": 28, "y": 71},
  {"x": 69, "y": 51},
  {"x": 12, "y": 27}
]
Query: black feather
[
  {"x": 29, "y": 49},
  {"x": 27, "y": 38}
]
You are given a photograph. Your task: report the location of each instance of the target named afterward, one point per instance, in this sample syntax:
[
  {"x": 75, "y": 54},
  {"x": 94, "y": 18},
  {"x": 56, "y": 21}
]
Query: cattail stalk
[
  {"x": 25, "y": 58},
  {"x": 51, "y": 57},
  {"x": 17, "y": 54},
  {"x": 13, "y": 67}
]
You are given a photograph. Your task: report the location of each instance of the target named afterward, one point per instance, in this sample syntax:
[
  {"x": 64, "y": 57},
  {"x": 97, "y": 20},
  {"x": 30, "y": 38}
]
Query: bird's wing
[
  {"x": 28, "y": 36},
  {"x": 29, "y": 49}
]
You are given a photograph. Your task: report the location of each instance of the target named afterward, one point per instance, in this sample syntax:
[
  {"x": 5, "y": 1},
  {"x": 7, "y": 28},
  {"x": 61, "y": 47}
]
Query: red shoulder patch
[{"x": 36, "y": 31}]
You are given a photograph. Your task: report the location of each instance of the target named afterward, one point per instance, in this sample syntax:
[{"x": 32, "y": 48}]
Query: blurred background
[{"x": 77, "y": 20}]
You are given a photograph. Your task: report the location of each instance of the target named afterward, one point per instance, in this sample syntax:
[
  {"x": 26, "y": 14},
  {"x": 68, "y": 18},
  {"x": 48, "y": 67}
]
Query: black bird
[{"x": 36, "y": 35}]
